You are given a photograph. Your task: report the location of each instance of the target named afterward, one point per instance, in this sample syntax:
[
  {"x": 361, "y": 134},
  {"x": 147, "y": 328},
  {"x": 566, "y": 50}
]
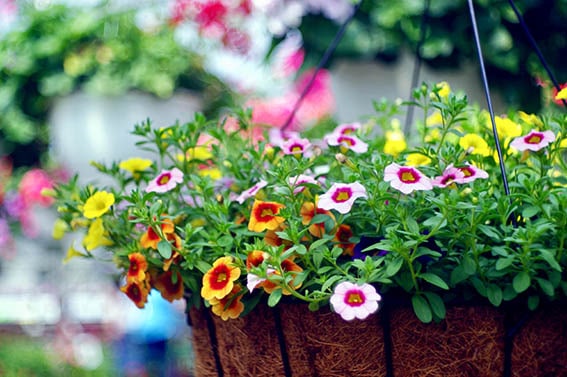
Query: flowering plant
[
  {"x": 349, "y": 217},
  {"x": 19, "y": 195}
]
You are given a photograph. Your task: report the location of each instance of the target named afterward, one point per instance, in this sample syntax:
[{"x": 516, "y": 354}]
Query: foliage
[
  {"x": 54, "y": 51},
  {"x": 221, "y": 216}
]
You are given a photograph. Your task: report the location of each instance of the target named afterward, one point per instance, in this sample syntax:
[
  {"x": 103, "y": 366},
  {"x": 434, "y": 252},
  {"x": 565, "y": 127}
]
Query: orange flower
[
  {"x": 263, "y": 216},
  {"x": 219, "y": 280},
  {"x": 255, "y": 258},
  {"x": 308, "y": 212},
  {"x": 342, "y": 237},
  {"x": 230, "y": 306},
  {"x": 138, "y": 267},
  {"x": 137, "y": 291},
  {"x": 170, "y": 285},
  {"x": 151, "y": 238},
  {"x": 287, "y": 266}
]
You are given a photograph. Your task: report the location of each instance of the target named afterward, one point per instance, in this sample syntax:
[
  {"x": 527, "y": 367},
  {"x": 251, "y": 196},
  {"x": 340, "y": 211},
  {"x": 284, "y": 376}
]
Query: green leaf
[
  {"x": 458, "y": 275},
  {"x": 530, "y": 212},
  {"x": 550, "y": 259},
  {"x": 468, "y": 265},
  {"x": 435, "y": 280},
  {"x": 502, "y": 263},
  {"x": 275, "y": 297},
  {"x": 494, "y": 294},
  {"x": 412, "y": 225},
  {"x": 546, "y": 286},
  {"x": 421, "y": 308},
  {"x": 164, "y": 249},
  {"x": 392, "y": 267},
  {"x": 225, "y": 241},
  {"x": 317, "y": 257},
  {"x": 521, "y": 282},
  {"x": 437, "y": 304},
  {"x": 490, "y": 232},
  {"x": 327, "y": 284},
  {"x": 533, "y": 302}
]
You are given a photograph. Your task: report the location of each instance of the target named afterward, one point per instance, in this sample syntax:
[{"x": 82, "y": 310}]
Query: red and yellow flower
[
  {"x": 308, "y": 212},
  {"x": 138, "y": 267},
  {"x": 219, "y": 280},
  {"x": 230, "y": 306},
  {"x": 170, "y": 285},
  {"x": 264, "y": 216},
  {"x": 287, "y": 265},
  {"x": 151, "y": 238},
  {"x": 137, "y": 291},
  {"x": 342, "y": 238}
]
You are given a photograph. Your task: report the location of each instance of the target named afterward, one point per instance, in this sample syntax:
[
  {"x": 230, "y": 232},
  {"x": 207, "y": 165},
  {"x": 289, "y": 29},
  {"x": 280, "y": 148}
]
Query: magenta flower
[
  {"x": 251, "y": 191},
  {"x": 341, "y": 196},
  {"x": 534, "y": 141},
  {"x": 348, "y": 141},
  {"x": 295, "y": 146},
  {"x": 352, "y": 301},
  {"x": 298, "y": 181},
  {"x": 450, "y": 175},
  {"x": 406, "y": 179},
  {"x": 471, "y": 173},
  {"x": 165, "y": 181}
]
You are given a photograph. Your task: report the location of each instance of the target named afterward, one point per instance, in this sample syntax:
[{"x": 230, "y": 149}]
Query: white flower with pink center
[
  {"x": 165, "y": 181},
  {"x": 298, "y": 181},
  {"x": 347, "y": 128},
  {"x": 406, "y": 178},
  {"x": 295, "y": 146},
  {"x": 534, "y": 141},
  {"x": 450, "y": 175},
  {"x": 352, "y": 301},
  {"x": 252, "y": 191},
  {"x": 341, "y": 196},
  {"x": 471, "y": 173},
  {"x": 347, "y": 141}
]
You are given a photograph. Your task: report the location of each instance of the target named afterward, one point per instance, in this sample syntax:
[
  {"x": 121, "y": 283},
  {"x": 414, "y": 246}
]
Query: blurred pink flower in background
[{"x": 31, "y": 186}]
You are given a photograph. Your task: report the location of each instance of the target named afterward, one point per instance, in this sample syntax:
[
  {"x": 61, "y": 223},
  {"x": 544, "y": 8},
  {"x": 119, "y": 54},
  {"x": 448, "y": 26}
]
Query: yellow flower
[
  {"x": 59, "y": 229},
  {"x": 395, "y": 140},
  {"x": 96, "y": 236},
  {"x": 474, "y": 144},
  {"x": 219, "y": 280},
  {"x": 135, "y": 164},
  {"x": 443, "y": 89},
  {"x": 98, "y": 204},
  {"x": 264, "y": 216},
  {"x": 213, "y": 173},
  {"x": 434, "y": 119},
  {"x": 531, "y": 119},
  {"x": 562, "y": 94},
  {"x": 72, "y": 253},
  {"x": 417, "y": 159},
  {"x": 200, "y": 152},
  {"x": 507, "y": 128}
]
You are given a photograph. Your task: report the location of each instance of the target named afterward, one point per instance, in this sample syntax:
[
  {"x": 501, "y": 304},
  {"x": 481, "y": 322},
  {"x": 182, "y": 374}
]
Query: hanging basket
[{"x": 292, "y": 341}]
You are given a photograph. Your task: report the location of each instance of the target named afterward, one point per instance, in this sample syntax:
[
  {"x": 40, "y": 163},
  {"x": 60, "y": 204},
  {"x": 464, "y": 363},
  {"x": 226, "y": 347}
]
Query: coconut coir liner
[{"x": 469, "y": 342}]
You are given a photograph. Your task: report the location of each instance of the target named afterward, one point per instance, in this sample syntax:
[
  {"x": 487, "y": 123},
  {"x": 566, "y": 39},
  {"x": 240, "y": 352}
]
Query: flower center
[
  {"x": 164, "y": 179},
  {"x": 448, "y": 179},
  {"x": 346, "y": 141},
  {"x": 342, "y": 195},
  {"x": 355, "y": 298},
  {"x": 296, "y": 148},
  {"x": 534, "y": 138},
  {"x": 408, "y": 175},
  {"x": 266, "y": 213},
  {"x": 221, "y": 277},
  {"x": 468, "y": 172}
]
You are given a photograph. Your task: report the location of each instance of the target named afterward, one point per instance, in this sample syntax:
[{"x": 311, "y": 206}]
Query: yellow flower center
[
  {"x": 534, "y": 139},
  {"x": 408, "y": 176},
  {"x": 164, "y": 179},
  {"x": 355, "y": 298},
  {"x": 221, "y": 277}
]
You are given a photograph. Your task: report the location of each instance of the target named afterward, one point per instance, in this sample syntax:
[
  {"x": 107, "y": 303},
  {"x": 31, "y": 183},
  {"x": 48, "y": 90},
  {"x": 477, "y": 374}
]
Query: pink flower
[
  {"x": 273, "y": 112},
  {"x": 406, "y": 179},
  {"x": 298, "y": 181},
  {"x": 352, "y": 301},
  {"x": 288, "y": 55},
  {"x": 471, "y": 173},
  {"x": 319, "y": 101},
  {"x": 251, "y": 191},
  {"x": 165, "y": 181},
  {"x": 341, "y": 196},
  {"x": 295, "y": 146},
  {"x": 31, "y": 186},
  {"x": 450, "y": 175},
  {"x": 277, "y": 137},
  {"x": 348, "y": 141},
  {"x": 534, "y": 141}
]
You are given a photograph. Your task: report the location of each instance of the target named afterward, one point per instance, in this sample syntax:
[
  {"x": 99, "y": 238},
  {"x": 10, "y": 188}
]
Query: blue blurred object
[{"x": 143, "y": 350}]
